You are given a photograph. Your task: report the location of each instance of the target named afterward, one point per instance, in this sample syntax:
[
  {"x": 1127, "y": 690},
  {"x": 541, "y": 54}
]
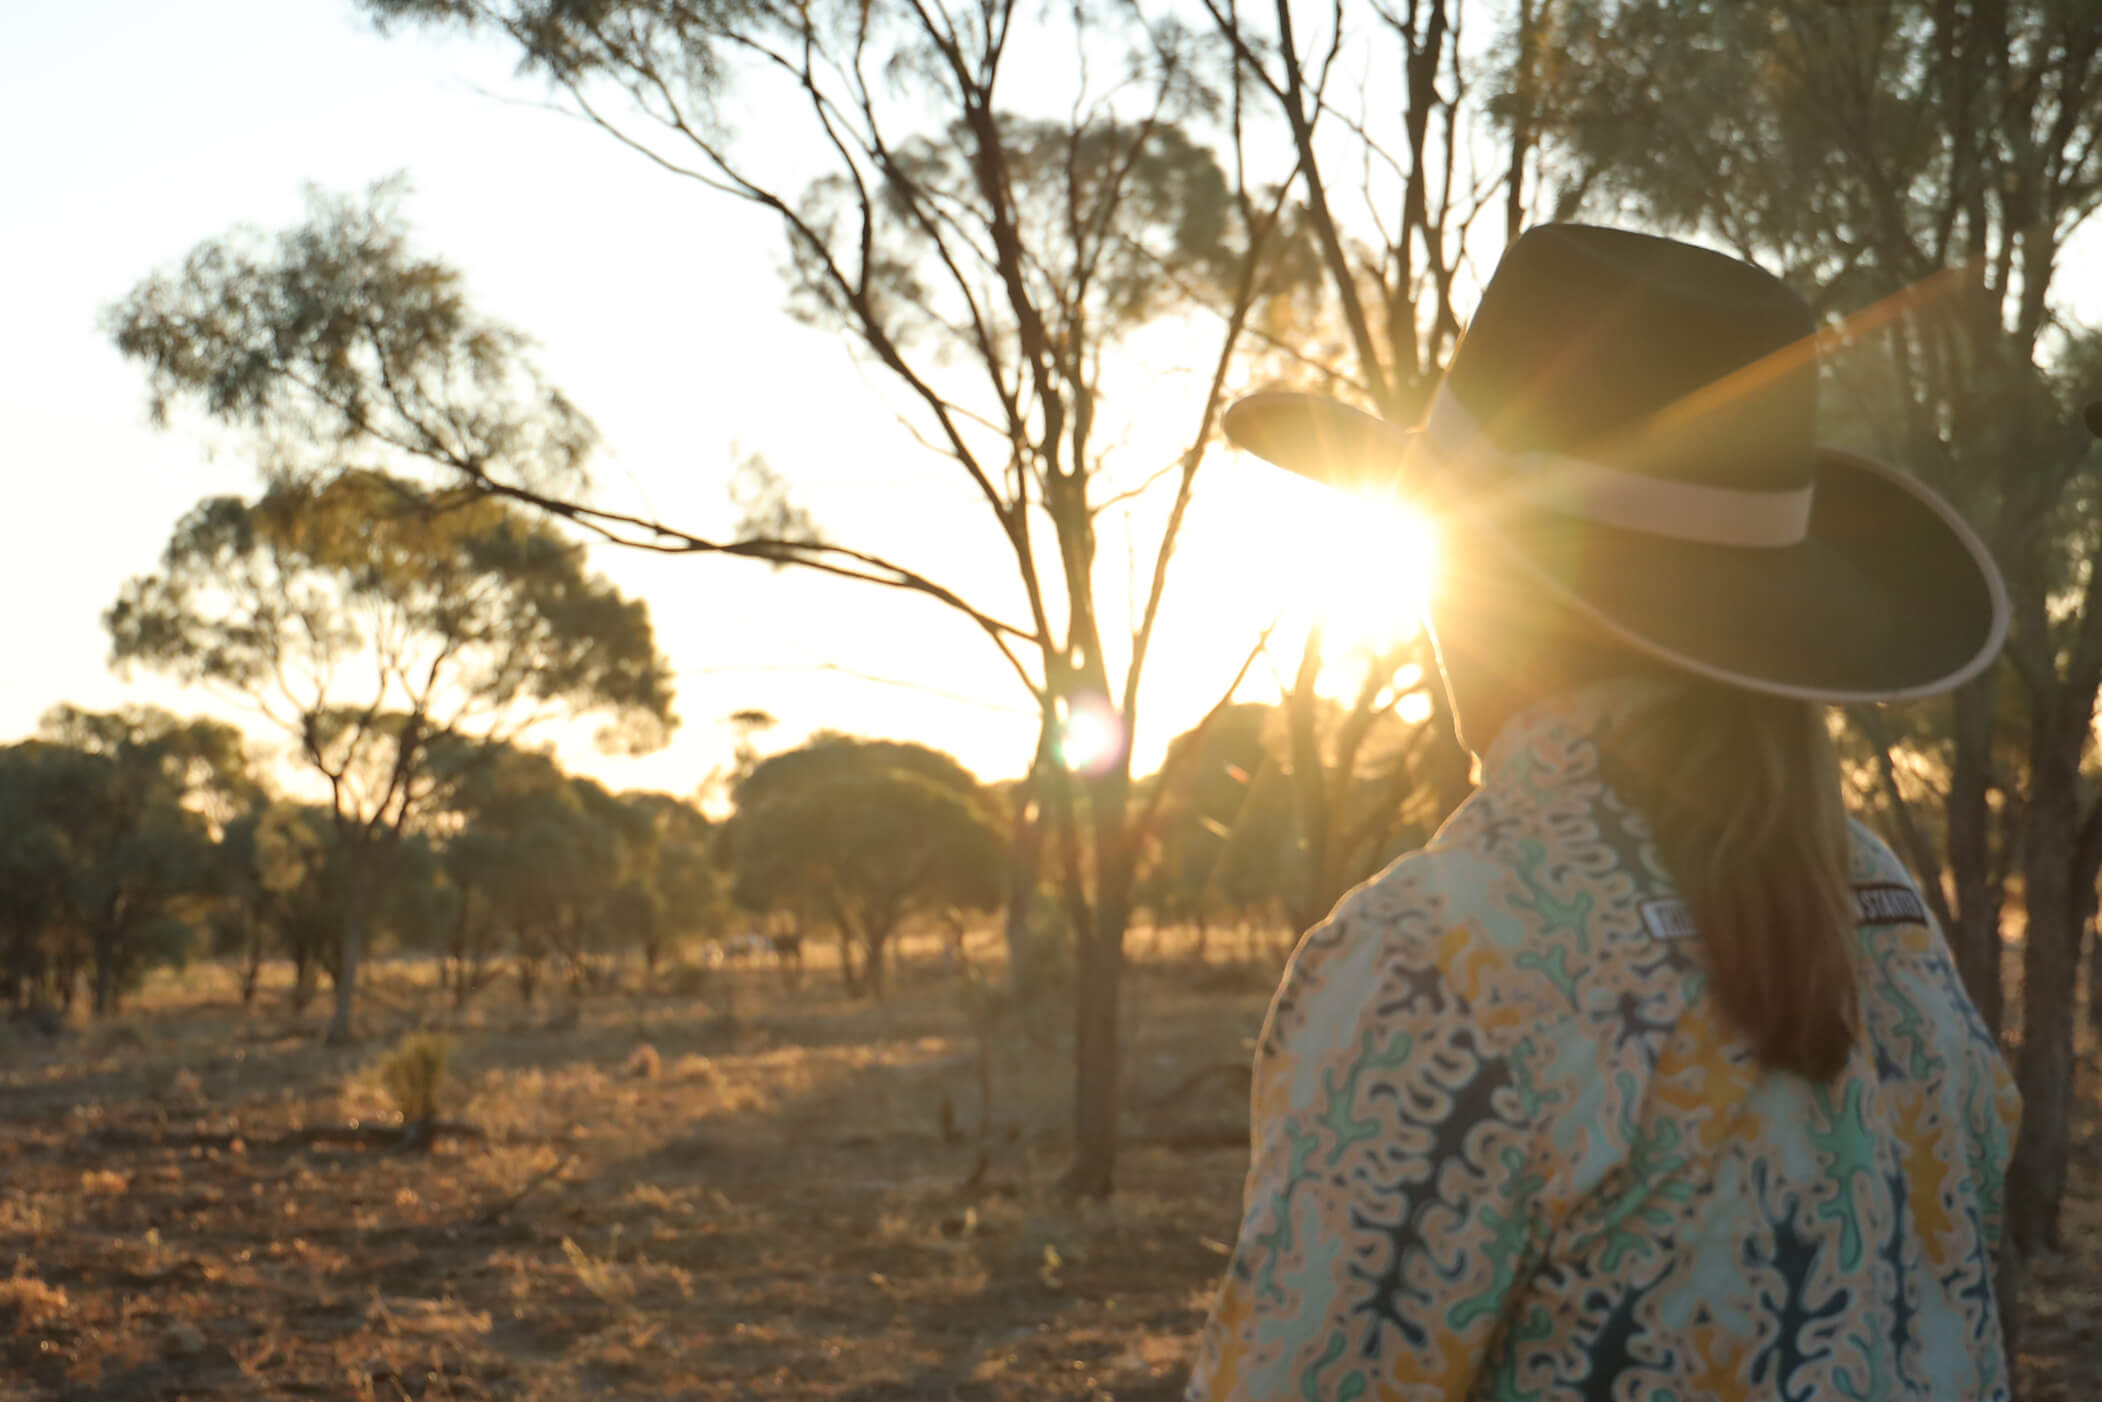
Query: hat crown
[{"x": 1655, "y": 356}]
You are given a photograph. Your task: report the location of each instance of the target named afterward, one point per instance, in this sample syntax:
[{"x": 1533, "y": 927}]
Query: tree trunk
[
  {"x": 1521, "y": 121},
  {"x": 1451, "y": 766},
  {"x": 106, "y": 943},
  {"x": 1313, "y": 801},
  {"x": 452, "y": 969},
  {"x": 849, "y": 972},
  {"x": 1975, "y": 939},
  {"x": 357, "y": 902},
  {"x": 2036, "y": 1182},
  {"x": 2094, "y": 984},
  {"x": 252, "y": 958},
  {"x": 1025, "y": 857},
  {"x": 1098, "y": 975},
  {"x": 528, "y": 978},
  {"x": 876, "y": 944},
  {"x": 2088, "y": 901}
]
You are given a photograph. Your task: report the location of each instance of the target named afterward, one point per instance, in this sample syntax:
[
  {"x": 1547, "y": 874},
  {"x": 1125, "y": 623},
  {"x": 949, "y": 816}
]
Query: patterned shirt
[{"x": 1505, "y": 1148}]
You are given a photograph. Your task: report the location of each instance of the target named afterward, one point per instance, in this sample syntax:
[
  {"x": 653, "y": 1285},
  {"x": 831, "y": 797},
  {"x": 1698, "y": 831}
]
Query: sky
[
  {"x": 657, "y": 306},
  {"x": 139, "y": 130}
]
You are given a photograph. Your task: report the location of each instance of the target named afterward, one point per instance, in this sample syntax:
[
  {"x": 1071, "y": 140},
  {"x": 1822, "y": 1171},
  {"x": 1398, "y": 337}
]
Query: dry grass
[{"x": 672, "y": 1201}]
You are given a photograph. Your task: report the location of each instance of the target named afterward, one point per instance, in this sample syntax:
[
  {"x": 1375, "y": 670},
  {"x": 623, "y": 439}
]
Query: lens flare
[
  {"x": 1090, "y": 736},
  {"x": 1378, "y": 571}
]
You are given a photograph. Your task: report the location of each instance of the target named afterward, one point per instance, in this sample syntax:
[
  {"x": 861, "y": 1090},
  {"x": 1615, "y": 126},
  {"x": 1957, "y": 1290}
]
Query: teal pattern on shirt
[{"x": 1505, "y": 1148}]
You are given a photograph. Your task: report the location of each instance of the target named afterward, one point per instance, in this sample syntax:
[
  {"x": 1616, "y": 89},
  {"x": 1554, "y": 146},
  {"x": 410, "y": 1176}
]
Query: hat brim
[{"x": 1891, "y": 596}]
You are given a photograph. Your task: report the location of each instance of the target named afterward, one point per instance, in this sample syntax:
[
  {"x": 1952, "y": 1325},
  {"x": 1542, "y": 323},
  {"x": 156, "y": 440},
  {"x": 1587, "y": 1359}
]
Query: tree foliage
[
  {"x": 554, "y": 871},
  {"x": 336, "y": 334},
  {"x": 106, "y": 846},
  {"x": 1235, "y": 836},
  {"x": 1224, "y": 838},
  {"x": 988, "y": 261},
  {"x": 136, "y": 838},
  {"x": 676, "y": 889},
  {"x": 999, "y": 265},
  {"x": 865, "y": 835},
  {"x": 374, "y": 622}
]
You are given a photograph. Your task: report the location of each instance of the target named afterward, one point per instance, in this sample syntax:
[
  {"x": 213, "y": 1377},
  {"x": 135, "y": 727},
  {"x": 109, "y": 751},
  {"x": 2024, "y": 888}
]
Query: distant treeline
[{"x": 138, "y": 839}]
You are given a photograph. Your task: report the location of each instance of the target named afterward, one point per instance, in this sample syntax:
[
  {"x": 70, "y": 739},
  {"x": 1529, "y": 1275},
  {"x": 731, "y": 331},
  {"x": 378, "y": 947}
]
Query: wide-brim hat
[{"x": 1634, "y": 420}]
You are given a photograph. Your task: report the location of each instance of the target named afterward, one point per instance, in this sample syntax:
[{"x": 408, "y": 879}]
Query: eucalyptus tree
[
  {"x": 107, "y": 850},
  {"x": 596, "y": 885},
  {"x": 1234, "y": 830},
  {"x": 541, "y": 865},
  {"x": 675, "y": 888},
  {"x": 266, "y": 853},
  {"x": 306, "y": 915},
  {"x": 38, "y": 961},
  {"x": 1212, "y": 856},
  {"x": 871, "y": 833},
  {"x": 370, "y": 619},
  {"x": 1397, "y": 181},
  {"x": 152, "y": 804},
  {"x": 50, "y": 823},
  {"x": 204, "y": 762},
  {"x": 990, "y": 262}
]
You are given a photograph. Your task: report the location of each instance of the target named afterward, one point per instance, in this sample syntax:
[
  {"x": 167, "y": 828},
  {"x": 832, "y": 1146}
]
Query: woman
[{"x": 1649, "y": 1079}]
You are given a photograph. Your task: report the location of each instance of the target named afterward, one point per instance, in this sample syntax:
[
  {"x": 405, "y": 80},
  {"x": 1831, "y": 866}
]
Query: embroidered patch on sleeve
[
  {"x": 1888, "y": 903},
  {"x": 1668, "y": 920}
]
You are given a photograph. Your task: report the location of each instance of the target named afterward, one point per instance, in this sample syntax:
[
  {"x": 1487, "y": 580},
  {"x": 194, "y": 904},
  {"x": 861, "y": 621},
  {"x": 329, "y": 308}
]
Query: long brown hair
[{"x": 1743, "y": 800}]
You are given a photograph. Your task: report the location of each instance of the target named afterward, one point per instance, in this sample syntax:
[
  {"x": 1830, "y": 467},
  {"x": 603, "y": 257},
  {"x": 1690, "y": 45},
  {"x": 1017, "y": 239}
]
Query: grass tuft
[{"x": 413, "y": 1074}]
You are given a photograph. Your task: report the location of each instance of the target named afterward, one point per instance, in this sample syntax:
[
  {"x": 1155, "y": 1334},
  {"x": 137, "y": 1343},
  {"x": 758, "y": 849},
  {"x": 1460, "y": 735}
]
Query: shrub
[
  {"x": 27, "y": 1302},
  {"x": 413, "y": 1073}
]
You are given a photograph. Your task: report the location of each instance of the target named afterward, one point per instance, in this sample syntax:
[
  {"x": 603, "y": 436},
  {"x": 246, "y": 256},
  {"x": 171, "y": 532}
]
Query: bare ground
[{"x": 669, "y": 1201}]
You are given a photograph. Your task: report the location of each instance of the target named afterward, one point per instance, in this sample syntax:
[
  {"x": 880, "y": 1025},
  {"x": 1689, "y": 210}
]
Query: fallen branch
[
  {"x": 417, "y": 1134},
  {"x": 494, "y": 1213}
]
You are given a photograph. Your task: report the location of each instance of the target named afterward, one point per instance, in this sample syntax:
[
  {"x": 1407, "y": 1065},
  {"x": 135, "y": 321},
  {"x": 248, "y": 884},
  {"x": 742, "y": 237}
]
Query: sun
[
  {"x": 1374, "y": 575},
  {"x": 1367, "y": 576},
  {"x": 1265, "y": 559}
]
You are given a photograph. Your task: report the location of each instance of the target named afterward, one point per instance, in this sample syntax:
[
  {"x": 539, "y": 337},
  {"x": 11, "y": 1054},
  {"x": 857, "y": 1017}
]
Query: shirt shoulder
[
  {"x": 1454, "y": 931},
  {"x": 1382, "y": 936},
  {"x": 1871, "y": 862}
]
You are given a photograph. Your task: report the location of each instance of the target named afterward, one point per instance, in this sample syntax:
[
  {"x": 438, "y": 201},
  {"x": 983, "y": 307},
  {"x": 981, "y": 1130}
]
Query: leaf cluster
[
  {"x": 365, "y": 614},
  {"x": 106, "y": 845},
  {"x": 336, "y": 335},
  {"x": 864, "y": 835}
]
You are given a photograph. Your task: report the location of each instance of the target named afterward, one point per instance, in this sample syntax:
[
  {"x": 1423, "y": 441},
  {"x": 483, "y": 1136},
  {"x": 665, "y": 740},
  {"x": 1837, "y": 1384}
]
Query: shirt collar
[{"x": 1548, "y": 740}]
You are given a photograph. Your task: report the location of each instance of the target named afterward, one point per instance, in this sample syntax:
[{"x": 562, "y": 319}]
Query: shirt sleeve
[
  {"x": 1964, "y": 1060},
  {"x": 1390, "y": 1200}
]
